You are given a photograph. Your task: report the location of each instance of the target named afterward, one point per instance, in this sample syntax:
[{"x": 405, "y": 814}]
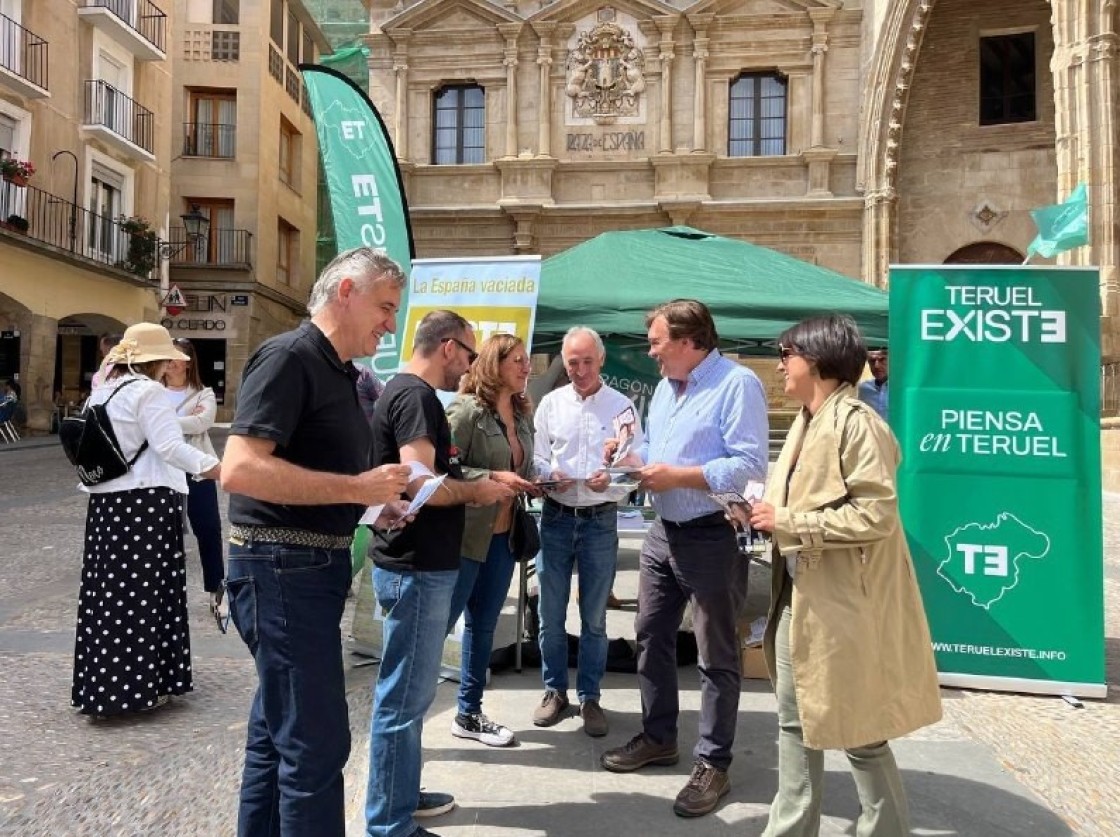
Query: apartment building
[
  {"x": 245, "y": 160},
  {"x": 85, "y": 99}
]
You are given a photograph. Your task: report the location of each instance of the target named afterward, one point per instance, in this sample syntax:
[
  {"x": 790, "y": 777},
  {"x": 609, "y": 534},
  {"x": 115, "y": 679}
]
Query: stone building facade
[
  {"x": 85, "y": 97},
  {"x": 247, "y": 158},
  {"x": 850, "y": 133}
]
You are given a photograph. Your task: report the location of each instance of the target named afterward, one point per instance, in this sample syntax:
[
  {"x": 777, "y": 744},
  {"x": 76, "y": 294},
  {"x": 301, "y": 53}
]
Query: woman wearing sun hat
[{"x": 132, "y": 649}]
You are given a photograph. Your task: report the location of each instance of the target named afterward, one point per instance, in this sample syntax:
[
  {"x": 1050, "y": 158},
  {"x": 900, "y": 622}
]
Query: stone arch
[
  {"x": 884, "y": 108},
  {"x": 985, "y": 252}
]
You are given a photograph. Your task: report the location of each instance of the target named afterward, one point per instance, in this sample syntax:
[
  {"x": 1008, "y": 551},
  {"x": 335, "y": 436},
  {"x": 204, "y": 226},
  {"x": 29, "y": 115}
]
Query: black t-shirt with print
[
  {"x": 407, "y": 410},
  {"x": 298, "y": 393}
]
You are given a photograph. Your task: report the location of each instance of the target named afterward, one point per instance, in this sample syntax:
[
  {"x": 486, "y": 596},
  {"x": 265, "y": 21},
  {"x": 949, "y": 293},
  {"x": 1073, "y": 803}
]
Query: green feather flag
[{"x": 1061, "y": 226}]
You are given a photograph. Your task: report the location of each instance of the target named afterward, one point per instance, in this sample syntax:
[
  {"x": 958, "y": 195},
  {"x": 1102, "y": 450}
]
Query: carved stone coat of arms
[{"x": 606, "y": 74}]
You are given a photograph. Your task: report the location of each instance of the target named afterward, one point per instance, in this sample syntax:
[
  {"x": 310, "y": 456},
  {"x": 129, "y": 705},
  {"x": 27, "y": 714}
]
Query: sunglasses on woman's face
[{"x": 785, "y": 353}]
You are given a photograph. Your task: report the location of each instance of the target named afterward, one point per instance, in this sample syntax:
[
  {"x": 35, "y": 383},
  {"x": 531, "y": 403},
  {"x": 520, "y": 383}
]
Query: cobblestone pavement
[{"x": 175, "y": 771}]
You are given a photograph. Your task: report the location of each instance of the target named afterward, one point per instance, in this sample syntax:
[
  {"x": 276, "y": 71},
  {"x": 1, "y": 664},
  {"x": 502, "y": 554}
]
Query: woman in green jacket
[{"x": 492, "y": 427}]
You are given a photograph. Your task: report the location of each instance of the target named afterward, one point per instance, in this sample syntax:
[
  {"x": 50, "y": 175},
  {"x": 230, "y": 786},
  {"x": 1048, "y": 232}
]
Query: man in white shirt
[{"x": 579, "y": 525}]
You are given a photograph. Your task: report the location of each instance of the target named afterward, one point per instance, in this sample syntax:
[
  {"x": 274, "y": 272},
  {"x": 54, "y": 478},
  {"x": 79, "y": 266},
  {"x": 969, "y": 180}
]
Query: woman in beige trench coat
[{"x": 847, "y": 642}]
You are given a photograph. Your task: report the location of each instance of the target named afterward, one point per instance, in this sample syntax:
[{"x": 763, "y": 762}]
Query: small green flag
[{"x": 1061, "y": 226}]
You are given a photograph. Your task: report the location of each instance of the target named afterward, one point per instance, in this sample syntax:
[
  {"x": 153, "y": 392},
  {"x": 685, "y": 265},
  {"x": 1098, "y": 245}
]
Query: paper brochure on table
[{"x": 416, "y": 470}]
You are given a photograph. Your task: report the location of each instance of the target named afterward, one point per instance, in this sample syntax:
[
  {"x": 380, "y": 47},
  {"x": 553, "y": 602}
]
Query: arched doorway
[
  {"x": 985, "y": 252},
  {"x": 76, "y": 354}
]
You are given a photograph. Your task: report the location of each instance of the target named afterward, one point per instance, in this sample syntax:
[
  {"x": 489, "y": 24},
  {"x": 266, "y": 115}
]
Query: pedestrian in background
[
  {"x": 846, "y": 621},
  {"x": 105, "y": 343},
  {"x": 492, "y": 426},
  {"x": 875, "y": 392},
  {"x": 298, "y": 468},
  {"x": 369, "y": 390},
  {"x": 416, "y": 567},
  {"x": 579, "y": 526},
  {"x": 132, "y": 646},
  {"x": 196, "y": 408},
  {"x": 707, "y": 431}
]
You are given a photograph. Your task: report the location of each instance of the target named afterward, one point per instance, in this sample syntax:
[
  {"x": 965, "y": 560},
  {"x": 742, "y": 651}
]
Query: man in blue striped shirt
[{"x": 707, "y": 431}]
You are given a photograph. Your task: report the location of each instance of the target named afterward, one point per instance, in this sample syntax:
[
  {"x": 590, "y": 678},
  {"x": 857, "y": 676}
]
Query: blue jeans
[
  {"x": 481, "y": 590},
  {"x": 416, "y": 606},
  {"x": 589, "y": 544},
  {"x": 206, "y": 523},
  {"x": 287, "y": 603}
]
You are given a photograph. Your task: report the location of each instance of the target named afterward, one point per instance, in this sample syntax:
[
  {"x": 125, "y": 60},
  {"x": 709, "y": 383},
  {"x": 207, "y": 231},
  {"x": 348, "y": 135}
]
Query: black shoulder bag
[{"x": 91, "y": 445}]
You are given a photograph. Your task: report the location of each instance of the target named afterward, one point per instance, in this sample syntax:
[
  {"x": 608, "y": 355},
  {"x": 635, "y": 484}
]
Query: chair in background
[{"x": 8, "y": 432}]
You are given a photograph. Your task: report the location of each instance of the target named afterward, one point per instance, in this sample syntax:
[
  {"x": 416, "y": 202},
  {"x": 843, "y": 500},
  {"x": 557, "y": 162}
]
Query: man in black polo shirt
[
  {"x": 417, "y": 566},
  {"x": 298, "y": 468}
]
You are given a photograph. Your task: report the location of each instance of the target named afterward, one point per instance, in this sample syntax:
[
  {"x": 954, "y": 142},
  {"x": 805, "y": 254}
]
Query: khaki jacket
[
  {"x": 483, "y": 447},
  {"x": 863, "y": 665}
]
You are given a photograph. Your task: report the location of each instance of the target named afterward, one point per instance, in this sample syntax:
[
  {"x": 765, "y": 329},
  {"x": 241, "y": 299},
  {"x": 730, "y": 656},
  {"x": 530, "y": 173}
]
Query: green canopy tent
[{"x": 754, "y": 293}]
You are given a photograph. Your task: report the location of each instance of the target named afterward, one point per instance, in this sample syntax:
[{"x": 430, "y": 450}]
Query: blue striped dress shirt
[{"x": 718, "y": 422}]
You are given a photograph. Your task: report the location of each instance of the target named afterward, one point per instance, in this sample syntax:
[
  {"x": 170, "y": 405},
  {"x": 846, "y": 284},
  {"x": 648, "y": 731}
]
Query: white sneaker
[{"x": 477, "y": 726}]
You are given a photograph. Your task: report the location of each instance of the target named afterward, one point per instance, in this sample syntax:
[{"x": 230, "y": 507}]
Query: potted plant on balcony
[
  {"x": 16, "y": 172},
  {"x": 17, "y": 223},
  {"x": 142, "y": 241}
]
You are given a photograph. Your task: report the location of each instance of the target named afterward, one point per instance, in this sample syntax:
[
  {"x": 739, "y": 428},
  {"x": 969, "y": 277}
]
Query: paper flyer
[{"x": 416, "y": 470}]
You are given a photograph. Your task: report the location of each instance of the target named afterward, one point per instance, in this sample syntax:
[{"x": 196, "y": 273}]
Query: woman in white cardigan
[
  {"x": 132, "y": 646},
  {"x": 196, "y": 407}
]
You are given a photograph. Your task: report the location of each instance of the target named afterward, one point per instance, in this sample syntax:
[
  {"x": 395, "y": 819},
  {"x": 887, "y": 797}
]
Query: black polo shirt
[
  {"x": 407, "y": 410},
  {"x": 298, "y": 393}
]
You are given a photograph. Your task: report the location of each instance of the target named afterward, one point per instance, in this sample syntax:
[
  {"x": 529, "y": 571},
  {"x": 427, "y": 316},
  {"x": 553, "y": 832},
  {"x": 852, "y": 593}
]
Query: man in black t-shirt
[
  {"x": 298, "y": 467},
  {"x": 417, "y": 565}
]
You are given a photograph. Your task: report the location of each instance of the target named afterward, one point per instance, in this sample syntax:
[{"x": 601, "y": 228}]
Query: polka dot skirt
[{"x": 133, "y": 644}]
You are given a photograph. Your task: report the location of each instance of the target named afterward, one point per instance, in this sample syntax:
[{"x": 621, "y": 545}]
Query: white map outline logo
[
  {"x": 358, "y": 148},
  {"x": 1001, "y": 519}
]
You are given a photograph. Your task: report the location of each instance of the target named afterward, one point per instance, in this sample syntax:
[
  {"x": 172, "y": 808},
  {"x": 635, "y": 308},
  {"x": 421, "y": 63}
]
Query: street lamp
[
  {"x": 197, "y": 226},
  {"x": 74, "y": 201}
]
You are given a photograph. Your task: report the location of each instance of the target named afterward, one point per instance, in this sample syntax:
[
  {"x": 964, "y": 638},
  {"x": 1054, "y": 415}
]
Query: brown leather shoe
[
  {"x": 638, "y": 752},
  {"x": 554, "y": 706},
  {"x": 703, "y": 791},
  {"x": 594, "y": 719}
]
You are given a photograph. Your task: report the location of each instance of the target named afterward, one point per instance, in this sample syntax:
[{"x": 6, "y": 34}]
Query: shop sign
[{"x": 217, "y": 326}]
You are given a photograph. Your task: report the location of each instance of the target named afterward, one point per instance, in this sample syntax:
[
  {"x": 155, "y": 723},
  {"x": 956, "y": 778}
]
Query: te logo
[{"x": 992, "y": 560}]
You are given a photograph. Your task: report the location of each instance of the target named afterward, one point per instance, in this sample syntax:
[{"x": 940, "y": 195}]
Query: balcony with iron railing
[
  {"x": 223, "y": 248},
  {"x": 119, "y": 120},
  {"x": 23, "y": 60},
  {"x": 66, "y": 229},
  {"x": 140, "y": 26},
  {"x": 207, "y": 139}
]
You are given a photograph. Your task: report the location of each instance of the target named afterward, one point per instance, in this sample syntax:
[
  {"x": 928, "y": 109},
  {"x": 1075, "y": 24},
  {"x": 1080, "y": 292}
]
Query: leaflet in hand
[
  {"x": 623, "y": 425},
  {"x": 416, "y": 470},
  {"x": 750, "y": 495}
]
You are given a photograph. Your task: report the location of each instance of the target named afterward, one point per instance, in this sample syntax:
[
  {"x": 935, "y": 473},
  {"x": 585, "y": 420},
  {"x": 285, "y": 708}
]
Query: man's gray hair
[
  {"x": 590, "y": 332},
  {"x": 364, "y": 265}
]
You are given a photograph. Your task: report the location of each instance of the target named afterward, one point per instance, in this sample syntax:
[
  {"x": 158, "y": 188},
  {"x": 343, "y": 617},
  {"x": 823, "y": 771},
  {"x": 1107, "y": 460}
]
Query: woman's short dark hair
[
  {"x": 832, "y": 342},
  {"x": 687, "y": 318}
]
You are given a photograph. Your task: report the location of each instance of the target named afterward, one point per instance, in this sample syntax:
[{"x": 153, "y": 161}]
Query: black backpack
[{"x": 91, "y": 444}]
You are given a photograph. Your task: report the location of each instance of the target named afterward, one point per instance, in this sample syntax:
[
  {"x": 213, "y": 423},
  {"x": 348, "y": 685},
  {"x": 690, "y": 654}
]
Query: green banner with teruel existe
[{"x": 995, "y": 400}]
